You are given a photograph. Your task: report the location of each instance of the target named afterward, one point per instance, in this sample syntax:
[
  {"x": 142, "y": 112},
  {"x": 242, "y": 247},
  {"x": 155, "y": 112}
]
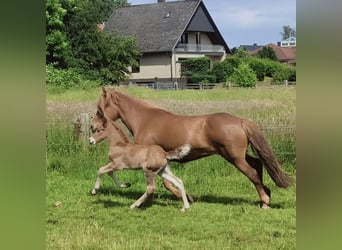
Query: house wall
[
  {"x": 164, "y": 67},
  {"x": 204, "y": 38},
  {"x": 153, "y": 66}
]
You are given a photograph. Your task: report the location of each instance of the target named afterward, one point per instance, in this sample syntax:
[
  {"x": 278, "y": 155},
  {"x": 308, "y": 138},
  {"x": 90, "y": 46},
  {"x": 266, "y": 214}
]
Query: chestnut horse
[
  {"x": 219, "y": 133},
  {"x": 152, "y": 159}
]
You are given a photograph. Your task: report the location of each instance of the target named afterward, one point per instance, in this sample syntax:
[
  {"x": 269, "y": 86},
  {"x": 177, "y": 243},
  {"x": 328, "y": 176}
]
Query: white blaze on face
[{"x": 92, "y": 140}]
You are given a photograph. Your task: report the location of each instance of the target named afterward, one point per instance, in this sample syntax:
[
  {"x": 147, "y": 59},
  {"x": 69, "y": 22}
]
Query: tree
[
  {"x": 74, "y": 42},
  {"x": 58, "y": 49},
  {"x": 267, "y": 52},
  {"x": 287, "y": 32}
]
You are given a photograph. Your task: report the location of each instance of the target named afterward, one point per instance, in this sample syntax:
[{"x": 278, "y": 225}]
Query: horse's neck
[{"x": 133, "y": 112}]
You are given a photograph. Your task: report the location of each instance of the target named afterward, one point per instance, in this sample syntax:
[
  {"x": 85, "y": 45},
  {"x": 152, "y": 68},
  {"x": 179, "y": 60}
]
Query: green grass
[{"x": 225, "y": 213}]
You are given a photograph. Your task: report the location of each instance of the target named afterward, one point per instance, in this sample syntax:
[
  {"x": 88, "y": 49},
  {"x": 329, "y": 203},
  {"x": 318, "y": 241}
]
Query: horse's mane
[{"x": 139, "y": 101}]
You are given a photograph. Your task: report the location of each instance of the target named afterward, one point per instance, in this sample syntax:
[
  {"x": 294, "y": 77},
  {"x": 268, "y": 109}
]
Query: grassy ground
[{"x": 225, "y": 213}]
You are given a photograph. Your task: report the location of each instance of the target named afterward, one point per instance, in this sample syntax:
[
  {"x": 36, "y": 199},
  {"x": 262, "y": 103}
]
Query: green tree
[
  {"x": 74, "y": 42},
  {"x": 267, "y": 52},
  {"x": 58, "y": 49},
  {"x": 287, "y": 32}
]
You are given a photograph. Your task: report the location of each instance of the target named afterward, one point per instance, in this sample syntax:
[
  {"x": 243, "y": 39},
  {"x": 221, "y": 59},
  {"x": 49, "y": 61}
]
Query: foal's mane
[{"x": 121, "y": 134}]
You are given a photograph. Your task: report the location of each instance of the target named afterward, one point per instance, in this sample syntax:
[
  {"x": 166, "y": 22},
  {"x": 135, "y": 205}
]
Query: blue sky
[{"x": 243, "y": 22}]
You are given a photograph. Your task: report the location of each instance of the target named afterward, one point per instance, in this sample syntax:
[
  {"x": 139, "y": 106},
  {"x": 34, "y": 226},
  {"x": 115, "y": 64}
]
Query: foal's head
[
  {"x": 99, "y": 128},
  {"x": 102, "y": 128}
]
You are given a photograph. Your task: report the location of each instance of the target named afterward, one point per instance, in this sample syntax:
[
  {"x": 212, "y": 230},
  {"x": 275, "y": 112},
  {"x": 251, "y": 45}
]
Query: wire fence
[{"x": 71, "y": 135}]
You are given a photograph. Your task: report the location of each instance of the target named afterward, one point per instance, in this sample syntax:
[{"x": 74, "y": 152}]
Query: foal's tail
[
  {"x": 265, "y": 153},
  {"x": 178, "y": 153}
]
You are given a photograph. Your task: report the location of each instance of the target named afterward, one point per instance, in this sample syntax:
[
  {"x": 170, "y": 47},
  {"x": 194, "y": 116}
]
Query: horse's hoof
[{"x": 93, "y": 192}]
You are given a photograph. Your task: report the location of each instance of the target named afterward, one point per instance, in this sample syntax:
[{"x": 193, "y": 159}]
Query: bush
[
  {"x": 286, "y": 73},
  {"x": 204, "y": 78},
  {"x": 67, "y": 78},
  {"x": 259, "y": 68},
  {"x": 222, "y": 70},
  {"x": 271, "y": 67},
  {"x": 244, "y": 76},
  {"x": 195, "y": 65}
]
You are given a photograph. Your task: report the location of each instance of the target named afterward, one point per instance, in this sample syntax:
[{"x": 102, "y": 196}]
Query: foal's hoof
[
  {"x": 125, "y": 185},
  {"x": 264, "y": 206},
  {"x": 184, "y": 209},
  {"x": 93, "y": 192}
]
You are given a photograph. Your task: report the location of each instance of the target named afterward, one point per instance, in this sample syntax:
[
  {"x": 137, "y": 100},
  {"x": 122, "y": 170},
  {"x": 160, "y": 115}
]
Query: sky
[{"x": 245, "y": 22}]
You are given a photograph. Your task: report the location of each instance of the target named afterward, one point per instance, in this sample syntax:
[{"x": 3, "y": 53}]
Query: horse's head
[
  {"x": 98, "y": 128},
  {"x": 107, "y": 104}
]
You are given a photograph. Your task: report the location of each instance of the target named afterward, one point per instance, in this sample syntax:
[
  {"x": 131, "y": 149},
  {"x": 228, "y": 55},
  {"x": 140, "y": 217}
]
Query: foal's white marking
[{"x": 92, "y": 140}]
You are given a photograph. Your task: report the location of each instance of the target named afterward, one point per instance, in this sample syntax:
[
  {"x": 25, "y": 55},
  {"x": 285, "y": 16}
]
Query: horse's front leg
[
  {"x": 117, "y": 182},
  {"x": 150, "y": 181},
  {"x": 106, "y": 169}
]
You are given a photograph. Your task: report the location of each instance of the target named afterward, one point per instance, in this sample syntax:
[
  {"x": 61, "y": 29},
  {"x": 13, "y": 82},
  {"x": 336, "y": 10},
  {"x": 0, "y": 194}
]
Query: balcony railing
[{"x": 199, "y": 48}]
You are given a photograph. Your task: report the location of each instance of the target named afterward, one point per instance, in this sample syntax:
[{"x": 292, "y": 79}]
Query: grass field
[{"x": 225, "y": 213}]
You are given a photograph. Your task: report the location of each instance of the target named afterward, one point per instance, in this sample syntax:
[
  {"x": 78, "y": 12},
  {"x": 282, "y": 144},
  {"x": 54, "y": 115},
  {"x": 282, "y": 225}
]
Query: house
[
  {"x": 283, "y": 54},
  {"x": 289, "y": 42},
  {"x": 253, "y": 47},
  {"x": 167, "y": 33}
]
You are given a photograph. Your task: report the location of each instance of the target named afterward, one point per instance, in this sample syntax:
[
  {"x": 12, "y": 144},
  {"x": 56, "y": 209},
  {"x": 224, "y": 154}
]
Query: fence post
[
  {"x": 81, "y": 124},
  {"x": 286, "y": 83}
]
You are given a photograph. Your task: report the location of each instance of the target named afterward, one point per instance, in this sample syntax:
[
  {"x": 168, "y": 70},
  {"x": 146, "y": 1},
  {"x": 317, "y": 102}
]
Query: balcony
[{"x": 199, "y": 48}]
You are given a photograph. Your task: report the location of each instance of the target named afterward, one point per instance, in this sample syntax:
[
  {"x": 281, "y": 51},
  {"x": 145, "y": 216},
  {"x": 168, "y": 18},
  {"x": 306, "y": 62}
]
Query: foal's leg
[
  {"x": 150, "y": 180},
  {"x": 175, "y": 191},
  {"x": 168, "y": 175},
  {"x": 117, "y": 182},
  {"x": 106, "y": 169}
]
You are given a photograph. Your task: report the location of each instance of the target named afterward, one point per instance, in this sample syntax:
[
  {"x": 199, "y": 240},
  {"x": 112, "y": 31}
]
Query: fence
[{"x": 281, "y": 137}]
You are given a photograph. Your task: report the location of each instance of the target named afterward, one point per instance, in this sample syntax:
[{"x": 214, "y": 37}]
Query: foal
[{"x": 152, "y": 159}]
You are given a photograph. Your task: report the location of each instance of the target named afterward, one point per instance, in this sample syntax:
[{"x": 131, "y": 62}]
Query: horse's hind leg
[
  {"x": 257, "y": 165},
  {"x": 253, "y": 174},
  {"x": 150, "y": 180}
]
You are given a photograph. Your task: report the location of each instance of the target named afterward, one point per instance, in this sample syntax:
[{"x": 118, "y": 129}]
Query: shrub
[
  {"x": 204, "y": 78},
  {"x": 285, "y": 73},
  {"x": 195, "y": 65},
  {"x": 244, "y": 76},
  {"x": 258, "y": 66},
  {"x": 67, "y": 78},
  {"x": 271, "y": 67},
  {"x": 222, "y": 70}
]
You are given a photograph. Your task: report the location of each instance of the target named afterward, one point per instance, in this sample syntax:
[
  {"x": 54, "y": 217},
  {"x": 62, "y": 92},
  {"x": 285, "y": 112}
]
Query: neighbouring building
[
  {"x": 289, "y": 42},
  {"x": 284, "y": 54},
  {"x": 167, "y": 33}
]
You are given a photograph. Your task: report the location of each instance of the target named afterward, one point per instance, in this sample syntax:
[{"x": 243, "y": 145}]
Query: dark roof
[
  {"x": 157, "y": 26},
  {"x": 252, "y": 47}
]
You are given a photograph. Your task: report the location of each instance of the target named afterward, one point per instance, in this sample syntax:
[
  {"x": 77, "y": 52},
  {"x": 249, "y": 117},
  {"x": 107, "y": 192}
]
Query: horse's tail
[
  {"x": 178, "y": 153},
  {"x": 265, "y": 154}
]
